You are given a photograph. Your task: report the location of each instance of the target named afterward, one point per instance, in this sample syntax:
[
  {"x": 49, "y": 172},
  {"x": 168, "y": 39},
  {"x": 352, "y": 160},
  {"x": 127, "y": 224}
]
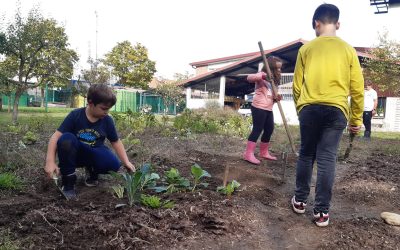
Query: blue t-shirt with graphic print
[{"x": 91, "y": 133}]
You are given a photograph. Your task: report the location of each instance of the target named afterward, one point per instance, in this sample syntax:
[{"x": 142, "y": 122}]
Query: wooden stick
[
  {"x": 226, "y": 173},
  {"x": 275, "y": 92}
]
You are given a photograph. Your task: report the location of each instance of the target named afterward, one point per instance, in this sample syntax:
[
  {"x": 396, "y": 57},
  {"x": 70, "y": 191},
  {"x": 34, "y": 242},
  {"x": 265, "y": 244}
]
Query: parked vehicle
[{"x": 245, "y": 109}]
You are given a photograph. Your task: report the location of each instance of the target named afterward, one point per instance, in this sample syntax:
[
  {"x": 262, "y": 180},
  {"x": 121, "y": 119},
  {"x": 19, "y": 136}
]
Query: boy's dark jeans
[
  {"x": 321, "y": 129},
  {"x": 72, "y": 154},
  {"x": 367, "y": 117}
]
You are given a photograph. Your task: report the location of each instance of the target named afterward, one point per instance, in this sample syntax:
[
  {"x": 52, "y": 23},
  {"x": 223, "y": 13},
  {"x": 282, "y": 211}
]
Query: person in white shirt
[{"x": 370, "y": 104}]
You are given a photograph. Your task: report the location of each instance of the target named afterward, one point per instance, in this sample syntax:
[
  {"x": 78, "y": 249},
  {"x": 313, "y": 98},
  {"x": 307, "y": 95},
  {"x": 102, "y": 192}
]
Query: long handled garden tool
[
  {"x": 275, "y": 92},
  {"x": 55, "y": 179},
  {"x": 350, "y": 147}
]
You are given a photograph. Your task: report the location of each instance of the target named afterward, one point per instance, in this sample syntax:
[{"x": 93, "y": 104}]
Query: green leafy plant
[
  {"x": 132, "y": 184},
  {"x": 135, "y": 183},
  {"x": 14, "y": 129},
  {"x": 29, "y": 138},
  {"x": 174, "y": 182},
  {"x": 198, "y": 174},
  {"x": 10, "y": 181},
  {"x": 229, "y": 189},
  {"x": 153, "y": 201},
  {"x": 148, "y": 179},
  {"x": 118, "y": 191}
]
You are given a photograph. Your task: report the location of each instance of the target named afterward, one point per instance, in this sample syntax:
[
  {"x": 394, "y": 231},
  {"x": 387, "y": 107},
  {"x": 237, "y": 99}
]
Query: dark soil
[{"x": 257, "y": 217}]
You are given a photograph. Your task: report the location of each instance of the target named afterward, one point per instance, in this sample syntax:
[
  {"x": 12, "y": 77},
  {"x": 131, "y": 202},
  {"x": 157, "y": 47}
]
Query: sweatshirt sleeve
[
  {"x": 253, "y": 78},
  {"x": 298, "y": 78},
  {"x": 356, "y": 92}
]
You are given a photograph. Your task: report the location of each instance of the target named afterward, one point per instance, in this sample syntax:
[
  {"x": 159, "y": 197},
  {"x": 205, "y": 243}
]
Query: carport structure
[{"x": 228, "y": 84}]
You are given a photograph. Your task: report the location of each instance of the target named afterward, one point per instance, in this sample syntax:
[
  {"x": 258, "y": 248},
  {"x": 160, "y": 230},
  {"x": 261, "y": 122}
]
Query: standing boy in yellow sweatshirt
[{"x": 327, "y": 71}]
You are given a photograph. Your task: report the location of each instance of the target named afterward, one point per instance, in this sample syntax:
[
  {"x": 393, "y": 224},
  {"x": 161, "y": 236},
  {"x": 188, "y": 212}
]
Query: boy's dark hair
[
  {"x": 326, "y": 13},
  {"x": 368, "y": 82},
  {"x": 101, "y": 93}
]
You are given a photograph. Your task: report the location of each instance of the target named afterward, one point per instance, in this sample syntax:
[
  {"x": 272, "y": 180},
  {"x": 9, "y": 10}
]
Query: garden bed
[{"x": 256, "y": 217}]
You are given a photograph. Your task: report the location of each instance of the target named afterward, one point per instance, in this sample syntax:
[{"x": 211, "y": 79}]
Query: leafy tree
[
  {"x": 6, "y": 85},
  {"x": 170, "y": 92},
  {"x": 131, "y": 64},
  {"x": 384, "y": 66},
  {"x": 55, "y": 64},
  {"x": 26, "y": 44},
  {"x": 98, "y": 73},
  {"x": 179, "y": 77}
]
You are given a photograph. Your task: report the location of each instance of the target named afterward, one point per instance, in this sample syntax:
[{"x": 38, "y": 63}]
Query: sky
[{"x": 178, "y": 32}]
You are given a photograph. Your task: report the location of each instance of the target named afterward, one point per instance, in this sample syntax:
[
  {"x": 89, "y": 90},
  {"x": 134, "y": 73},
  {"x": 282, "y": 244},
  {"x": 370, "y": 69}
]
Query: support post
[
  {"x": 222, "y": 83},
  {"x": 46, "y": 97}
]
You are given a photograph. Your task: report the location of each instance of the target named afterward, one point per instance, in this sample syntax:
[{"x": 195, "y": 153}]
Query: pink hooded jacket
[{"x": 263, "y": 96}]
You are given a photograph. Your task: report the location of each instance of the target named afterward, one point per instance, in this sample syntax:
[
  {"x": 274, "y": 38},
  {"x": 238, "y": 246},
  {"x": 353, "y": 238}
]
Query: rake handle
[{"x": 275, "y": 93}]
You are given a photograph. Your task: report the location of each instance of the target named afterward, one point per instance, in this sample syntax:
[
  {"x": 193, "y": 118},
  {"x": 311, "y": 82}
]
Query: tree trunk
[
  {"x": 18, "y": 94},
  {"x": 1, "y": 103},
  {"x": 9, "y": 104},
  {"x": 42, "y": 96},
  {"x": 72, "y": 103}
]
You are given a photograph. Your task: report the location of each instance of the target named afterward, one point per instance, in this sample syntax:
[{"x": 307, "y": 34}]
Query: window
[{"x": 205, "y": 91}]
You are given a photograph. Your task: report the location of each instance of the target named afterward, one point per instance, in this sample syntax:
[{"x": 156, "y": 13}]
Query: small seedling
[
  {"x": 174, "y": 182},
  {"x": 198, "y": 173},
  {"x": 153, "y": 201},
  {"x": 118, "y": 191},
  {"x": 229, "y": 189}
]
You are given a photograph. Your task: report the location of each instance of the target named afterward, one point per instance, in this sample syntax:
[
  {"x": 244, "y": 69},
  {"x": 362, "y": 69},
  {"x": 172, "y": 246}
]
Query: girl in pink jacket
[{"x": 261, "y": 111}]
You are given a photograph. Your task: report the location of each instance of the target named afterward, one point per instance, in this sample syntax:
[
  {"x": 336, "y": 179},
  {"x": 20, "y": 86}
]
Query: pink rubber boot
[
  {"x": 264, "y": 152},
  {"x": 249, "y": 154}
]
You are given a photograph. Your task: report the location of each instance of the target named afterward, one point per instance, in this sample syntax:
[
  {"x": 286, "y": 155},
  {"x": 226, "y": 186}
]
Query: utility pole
[{"x": 95, "y": 12}]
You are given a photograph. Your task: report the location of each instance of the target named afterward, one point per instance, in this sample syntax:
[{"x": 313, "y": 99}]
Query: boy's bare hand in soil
[
  {"x": 130, "y": 167},
  {"x": 50, "y": 169}
]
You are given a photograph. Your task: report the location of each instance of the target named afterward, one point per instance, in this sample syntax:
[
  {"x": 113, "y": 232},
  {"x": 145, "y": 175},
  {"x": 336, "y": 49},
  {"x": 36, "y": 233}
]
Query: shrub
[
  {"x": 219, "y": 121},
  {"x": 29, "y": 138}
]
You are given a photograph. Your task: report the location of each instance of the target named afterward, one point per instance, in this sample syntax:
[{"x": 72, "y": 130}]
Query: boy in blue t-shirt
[{"x": 79, "y": 141}]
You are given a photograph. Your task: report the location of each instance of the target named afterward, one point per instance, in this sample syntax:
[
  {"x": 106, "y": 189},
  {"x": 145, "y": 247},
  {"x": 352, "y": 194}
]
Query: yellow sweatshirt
[{"x": 328, "y": 71}]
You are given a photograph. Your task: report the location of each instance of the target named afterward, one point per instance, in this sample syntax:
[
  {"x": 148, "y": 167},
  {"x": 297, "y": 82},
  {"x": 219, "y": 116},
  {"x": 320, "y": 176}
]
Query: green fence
[
  {"x": 23, "y": 100},
  {"x": 125, "y": 100}
]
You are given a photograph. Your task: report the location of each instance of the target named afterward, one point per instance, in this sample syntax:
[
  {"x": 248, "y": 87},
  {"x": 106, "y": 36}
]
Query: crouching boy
[{"x": 79, "y": 141}]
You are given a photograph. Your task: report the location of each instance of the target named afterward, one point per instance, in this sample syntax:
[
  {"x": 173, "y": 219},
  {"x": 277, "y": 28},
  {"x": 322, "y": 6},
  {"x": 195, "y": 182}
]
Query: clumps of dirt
[
  {"x": 372, "y": 181},
  {"x": 380, "y": 167},
  {"x": 362, "y": 233},
  {"x": 96, "y": 223},
  {"x": 370, "y": 192}
]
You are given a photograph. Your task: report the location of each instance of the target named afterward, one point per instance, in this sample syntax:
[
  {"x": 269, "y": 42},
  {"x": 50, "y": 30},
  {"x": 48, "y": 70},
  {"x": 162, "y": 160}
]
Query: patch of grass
[
  {"x": 390, "y": 149},
  {"x": 386, "y": 135},
  {"x": 39, "y": 109},
  {"x": 10, "y": 181},
  {"x": 5, "y": 241},
  {"x": 30, "y": 119}
]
